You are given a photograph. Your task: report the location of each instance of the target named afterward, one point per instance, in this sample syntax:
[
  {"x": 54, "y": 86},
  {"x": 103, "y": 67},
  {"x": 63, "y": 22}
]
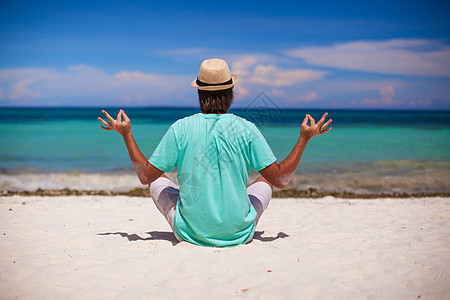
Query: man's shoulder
[
  {"x": 241, "y": 120},
  {"x": 186, "y": 120},
  {"x": 229, "y": 119},
  {"x": 198, "y": 116}
]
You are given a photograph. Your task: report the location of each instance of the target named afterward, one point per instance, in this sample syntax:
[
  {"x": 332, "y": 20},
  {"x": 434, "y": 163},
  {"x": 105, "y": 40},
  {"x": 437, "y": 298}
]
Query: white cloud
[
  {"x": 346, "y": 86},
  {"x": 150, "y": 79},
  {"x": 20, "y": 84},
  {"x": 279, "y": 93},
  {"x": 278, "y": 76},
  {"x": 79, "y": 80},
  {"x": 2, "y": 95},
  {"x": 386, "y": 99},
  {"x": 242, "y": 66},
  {"x": 387, "y": 91},
  {"x": 20, "y": 73},
  {"x": 82, "y": 81},
  {"x": 255, "y": 69},
  {"x": 20, "y": 89},
  {"x": 396, "y": 56},
  {"x": 240, "y": 92},
  {"x": 309, "y": 97},
  {"x": 420, "y": 103},
  {"x": 291, "y": 77}
]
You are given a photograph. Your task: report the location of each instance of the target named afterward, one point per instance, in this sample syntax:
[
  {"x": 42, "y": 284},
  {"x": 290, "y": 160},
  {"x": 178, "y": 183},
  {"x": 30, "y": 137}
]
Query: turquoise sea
[{"x": 366, "y": 151}]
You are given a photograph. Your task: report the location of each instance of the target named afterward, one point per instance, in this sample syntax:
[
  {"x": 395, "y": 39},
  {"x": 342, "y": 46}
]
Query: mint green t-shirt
[{"x": 214, "y": 154}]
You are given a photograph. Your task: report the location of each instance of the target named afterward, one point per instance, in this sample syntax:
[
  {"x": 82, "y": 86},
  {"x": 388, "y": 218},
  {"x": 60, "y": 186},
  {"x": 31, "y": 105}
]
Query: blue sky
[{"x": 304, "y": 54}]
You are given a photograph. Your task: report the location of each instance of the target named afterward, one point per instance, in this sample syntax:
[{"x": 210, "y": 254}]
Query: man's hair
[{"x": 215, "y": 102}]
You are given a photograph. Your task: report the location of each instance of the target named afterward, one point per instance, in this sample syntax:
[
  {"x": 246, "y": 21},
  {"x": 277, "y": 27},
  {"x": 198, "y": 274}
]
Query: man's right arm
[
  {"x": 280, "y": 174},
  {"x": 146, "y": 172}
]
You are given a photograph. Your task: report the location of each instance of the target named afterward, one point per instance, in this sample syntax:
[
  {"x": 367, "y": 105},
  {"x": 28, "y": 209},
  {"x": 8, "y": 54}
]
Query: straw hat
[{"x": 214, "y": 75}]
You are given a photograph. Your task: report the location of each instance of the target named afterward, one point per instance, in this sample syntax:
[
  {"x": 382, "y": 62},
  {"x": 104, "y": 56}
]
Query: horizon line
[{"x": 231, "y": 108}]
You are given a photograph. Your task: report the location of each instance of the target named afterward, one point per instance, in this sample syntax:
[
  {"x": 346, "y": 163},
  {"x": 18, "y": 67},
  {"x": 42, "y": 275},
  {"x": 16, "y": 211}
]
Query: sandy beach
[{"x": 99, "y": 247}]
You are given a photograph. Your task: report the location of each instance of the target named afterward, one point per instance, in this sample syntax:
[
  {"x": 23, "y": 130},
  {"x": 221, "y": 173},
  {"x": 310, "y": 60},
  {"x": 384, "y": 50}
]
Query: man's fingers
[
  {"x": 108, "y": 116},
  {"x": 119, "y": 118},
  {"x": 305, "y": 120},
  {"x": 325, "y": 131},
  {"x": 103, "y": 121},
  {"x": 125, "y": 116},
  {"x": 322, "y": 119},
  {"x": 106, "y": 128},
  {"x": 327, "y": 123},
  {"x": 313, "y": 122}
]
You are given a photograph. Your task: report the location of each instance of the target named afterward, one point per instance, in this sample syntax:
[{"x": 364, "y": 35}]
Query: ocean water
[{"x": 366, "y": 151}]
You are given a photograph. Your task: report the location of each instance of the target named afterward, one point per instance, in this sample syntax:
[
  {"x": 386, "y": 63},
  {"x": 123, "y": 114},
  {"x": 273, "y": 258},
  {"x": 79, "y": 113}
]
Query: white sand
[{"x": 121, "y": 247}]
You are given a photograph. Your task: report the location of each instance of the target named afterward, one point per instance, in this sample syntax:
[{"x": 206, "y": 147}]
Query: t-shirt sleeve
[
  {"x": 166, "y": 155},
  {"x": 261, "y": 154}
]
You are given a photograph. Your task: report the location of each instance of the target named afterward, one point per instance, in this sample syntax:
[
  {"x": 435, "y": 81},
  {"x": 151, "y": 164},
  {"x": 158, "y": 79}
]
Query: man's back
[{"x": 214, "y": 154}]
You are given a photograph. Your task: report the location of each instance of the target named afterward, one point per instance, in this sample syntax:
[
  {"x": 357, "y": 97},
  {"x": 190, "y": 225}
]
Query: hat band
[{"x": 201, "y": 83}]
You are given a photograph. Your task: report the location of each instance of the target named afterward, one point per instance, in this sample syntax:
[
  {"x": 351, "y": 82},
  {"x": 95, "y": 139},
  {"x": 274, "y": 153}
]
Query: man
[{"x": 214, "y": 152}]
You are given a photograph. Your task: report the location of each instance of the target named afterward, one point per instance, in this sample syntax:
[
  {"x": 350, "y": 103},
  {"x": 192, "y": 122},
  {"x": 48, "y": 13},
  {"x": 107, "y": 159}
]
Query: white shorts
[{"x": 165, "y": 195}]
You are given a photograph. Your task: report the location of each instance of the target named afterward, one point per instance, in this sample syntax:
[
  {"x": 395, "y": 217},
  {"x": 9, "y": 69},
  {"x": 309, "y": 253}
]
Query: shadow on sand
[
  {"x": 258, "y": 236},
  {"x": 154, "y": 235},
  {"x": 169, "y": 236}
]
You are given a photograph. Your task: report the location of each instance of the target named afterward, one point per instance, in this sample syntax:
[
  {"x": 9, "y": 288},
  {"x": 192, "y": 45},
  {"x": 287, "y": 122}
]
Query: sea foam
[{"x": 25, "y": 181}]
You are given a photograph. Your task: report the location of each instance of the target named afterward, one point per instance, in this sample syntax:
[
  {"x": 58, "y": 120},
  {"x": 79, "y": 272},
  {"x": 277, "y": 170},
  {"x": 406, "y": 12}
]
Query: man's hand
[
  {"x": 280, "y": 174},
  {"x": 307, "y": 132},
  {"x": 146, "y": 172},
  {"x": 122, "y": 127}
]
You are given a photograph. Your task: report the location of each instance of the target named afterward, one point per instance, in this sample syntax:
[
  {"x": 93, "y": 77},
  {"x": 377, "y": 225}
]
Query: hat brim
[{"x": 234, "y": 80}]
